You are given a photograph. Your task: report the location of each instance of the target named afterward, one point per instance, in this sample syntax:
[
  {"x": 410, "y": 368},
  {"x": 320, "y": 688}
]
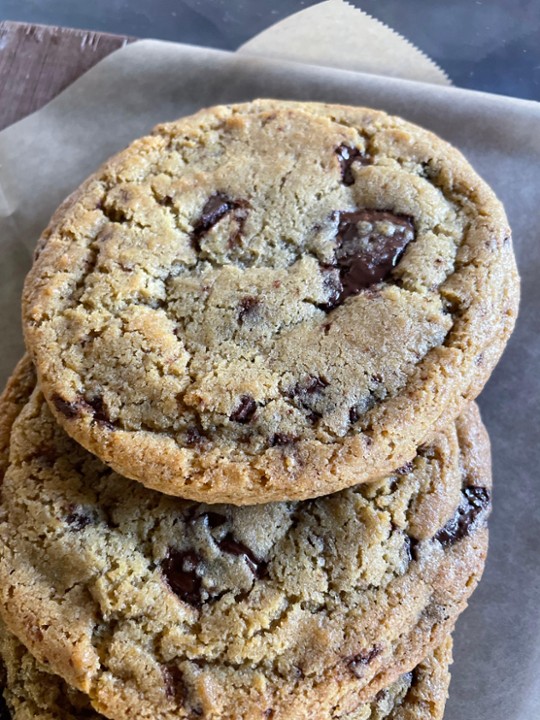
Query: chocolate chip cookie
[
  {"x": 270, "y": 301},
  {"x": 157, "y": 607},
  {"x": 32, "y": 693}
]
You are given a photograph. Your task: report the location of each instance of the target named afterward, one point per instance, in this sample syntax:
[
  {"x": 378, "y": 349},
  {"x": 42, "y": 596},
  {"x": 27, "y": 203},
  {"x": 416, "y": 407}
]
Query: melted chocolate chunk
[
  {"x": 175, "y": 688},
  {"x": 370, "y": 244},
  {"x": 248, "y": 306},
  {"x": 358, "y": 663},
  {"x": 215, "y": 209},
  {"x": 180, "y": 572},
  {"x": 229, "y": 545},
  {"x": 475, "y": 501},
  {"x": 347, "y": 156},
  {"x": 74, "y": 409},
  {"x": 79, "y": 517},
  {"x": 99, "y": 412},
  {"x": 68, "y": 409},
  {"x": 245, "y": 410}
]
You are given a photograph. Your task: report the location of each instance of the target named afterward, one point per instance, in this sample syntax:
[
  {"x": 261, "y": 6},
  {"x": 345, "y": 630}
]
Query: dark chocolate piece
[
  {"x": 229, "y": 545},
  {"x": 216, "y": 208},
  {"x": 79, "y": 517},
  {"x": 212, "y": 519},
  {"x": 282, "y": 439},
  {"x": 175, "y": 688},
  {"x": 245, "y": 410},
  {"x": 405, "y": 469},
  {"x": 194, "y": 436},
  {"x": 307, "y": 393},
  {"x": 68, "y": 409},
  {"x": 99, "y": 412},
  {"x": 411, "y": 548},
  {"x": 475, "y": 502},
  {"x": 358, "y": 663},
  {"x": 347, "y": 156},
  {"x": 180, "y": 571},
  {"x": 365, "y": 255},
  {"x": 248, "y": 306}
]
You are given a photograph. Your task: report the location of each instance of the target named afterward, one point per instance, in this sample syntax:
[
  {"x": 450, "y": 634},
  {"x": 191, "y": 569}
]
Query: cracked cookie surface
[
  {"x": 32, "y": 693},
  {"x": 160, "y": 608},
  {"x": 270, "y": 301}
]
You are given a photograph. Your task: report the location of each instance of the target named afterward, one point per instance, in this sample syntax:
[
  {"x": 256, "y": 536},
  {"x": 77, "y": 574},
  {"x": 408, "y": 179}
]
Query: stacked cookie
[{"x": 243, "y": 476}]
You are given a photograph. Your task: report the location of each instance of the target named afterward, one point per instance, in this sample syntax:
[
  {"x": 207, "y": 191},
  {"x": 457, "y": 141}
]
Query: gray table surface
[{"x": 490, "y": 45}]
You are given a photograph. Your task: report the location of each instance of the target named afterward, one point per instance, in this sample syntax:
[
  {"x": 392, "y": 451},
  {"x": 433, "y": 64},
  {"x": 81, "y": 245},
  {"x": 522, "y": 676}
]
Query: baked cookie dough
[
  {"x": 156, "y": 607},
  {"x": 270, "y": 301},
  {"x": 32, "y": 693}
]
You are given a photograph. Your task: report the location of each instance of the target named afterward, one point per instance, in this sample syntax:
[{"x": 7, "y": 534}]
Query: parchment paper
[{"x": 44, "y": 157}]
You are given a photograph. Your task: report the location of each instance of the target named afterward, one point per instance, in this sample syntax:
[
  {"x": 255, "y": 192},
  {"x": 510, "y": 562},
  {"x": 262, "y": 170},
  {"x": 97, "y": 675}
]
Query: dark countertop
[{"x": 490, "y": 45}]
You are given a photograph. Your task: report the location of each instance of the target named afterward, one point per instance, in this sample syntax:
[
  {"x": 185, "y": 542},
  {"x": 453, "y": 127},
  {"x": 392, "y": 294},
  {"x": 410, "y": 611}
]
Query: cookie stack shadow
[{"x": 243, "y": 473}]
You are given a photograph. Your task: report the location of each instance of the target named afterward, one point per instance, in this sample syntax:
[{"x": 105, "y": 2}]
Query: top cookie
[{"x": 270, "y": 301}]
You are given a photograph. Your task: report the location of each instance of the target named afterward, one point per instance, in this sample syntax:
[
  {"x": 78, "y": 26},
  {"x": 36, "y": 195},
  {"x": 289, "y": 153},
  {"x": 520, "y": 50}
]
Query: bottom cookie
[
  {"x": 160, "y": 609},
  {"x": 31, "y": 693}
]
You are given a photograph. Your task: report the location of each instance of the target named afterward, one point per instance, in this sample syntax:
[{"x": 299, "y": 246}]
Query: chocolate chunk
[
  {"x": 216, "y": 208},
  {"x": 326, "y": 328},
  {"x": 268, "y": 713},
  {"x": 370, "y": 244},
  {"x": 312, "y": 385},
  {"x": 247, "y": 307},
  {"x": 307, "y": 393},
  {"x": 212, "y": 519},
  {"x": 74, "y": 409},
  {"x": 356, "y": 411},
  {"x": 475, "y": 502},
  {"x": 195, "y": 436},
  {"x": 180, "y": 571},
  {"x": 4, "y": 712},
  {"x": 282, "y": 439},
  {"x": 99, "y": 412},
  {"x": 175, "y": 688},
  {"x": 68, "y": 409},
  {"x": 405, "y": 469},
  {"x": 229, "y": 545},
  {"x": 358, "y": 663},
  {"x": 245, "y": 410},
  {"x": 411, "y": 545},
  {"x": 79, "y": 517},
  {"x": 347, "y": 156}
]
